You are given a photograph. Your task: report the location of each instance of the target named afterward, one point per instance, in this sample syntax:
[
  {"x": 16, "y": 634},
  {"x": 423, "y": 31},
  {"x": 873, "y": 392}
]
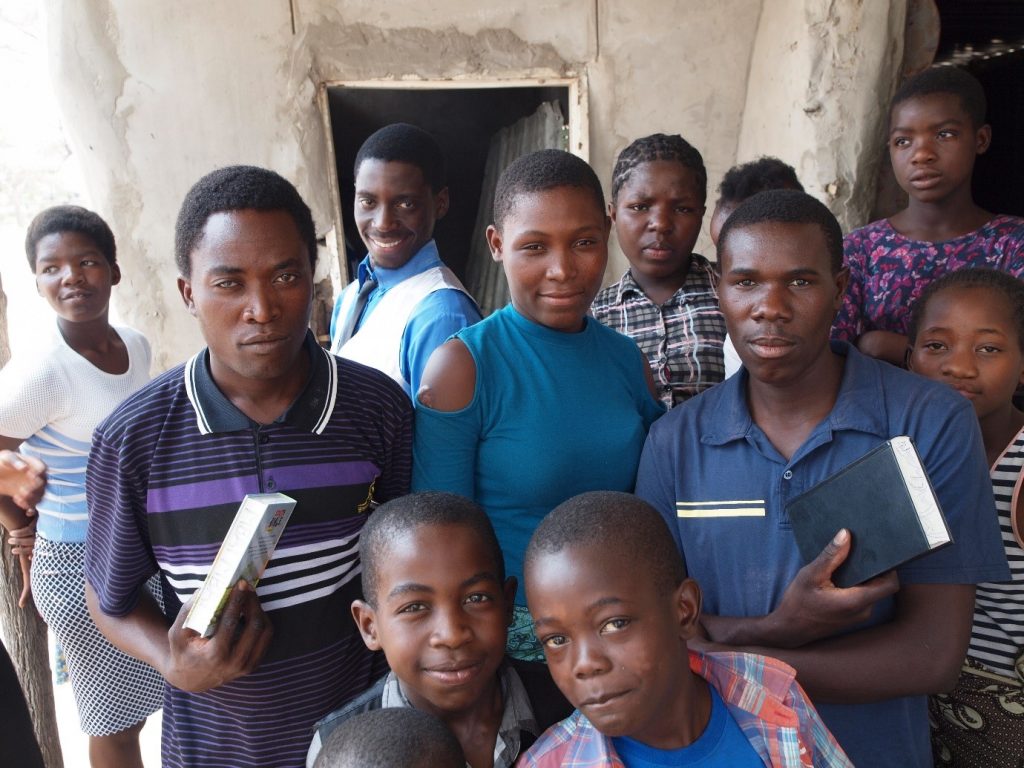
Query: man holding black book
[
  {"x": 722, "y": 467},
  {"x": 262, "y": 409}
]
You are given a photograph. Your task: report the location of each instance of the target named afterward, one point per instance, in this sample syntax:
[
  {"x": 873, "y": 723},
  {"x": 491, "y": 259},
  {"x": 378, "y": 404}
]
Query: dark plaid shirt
[{"x": 682, "y": 338}]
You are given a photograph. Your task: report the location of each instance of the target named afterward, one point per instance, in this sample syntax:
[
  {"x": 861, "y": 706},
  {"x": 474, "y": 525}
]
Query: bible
[
  {"x": 244, "y": 554},
  {"x": 886, "y": 502}
]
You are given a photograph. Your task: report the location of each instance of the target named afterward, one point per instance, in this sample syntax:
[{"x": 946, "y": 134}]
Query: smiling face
[
  {"x": 441, "y": 617},
  {"x": 933, "y": 145},
  {"x": 251, "y": 289},
  {"x": 657, "y": 215},
  {"x": 553, "y": 246},
  {"x": 74, "y": 276},
  {"x": 967, "y": 339},
  {"x": 395, "y": 210},
  {"x": 615, "y": 643},
  {"x": 779, "y": 296}
]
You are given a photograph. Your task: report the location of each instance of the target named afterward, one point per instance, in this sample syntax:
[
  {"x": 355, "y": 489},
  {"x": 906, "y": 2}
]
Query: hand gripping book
[
  {"x": 247, "y": 547},
  {"x": 886, "y": 502}
]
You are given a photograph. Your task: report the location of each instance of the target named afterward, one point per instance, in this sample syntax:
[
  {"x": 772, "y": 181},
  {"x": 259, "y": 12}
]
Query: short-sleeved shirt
[
  {"x": 681, "y": 338},
  {"x": 888, "y": 271},
  {"x": 166, "y": 474},
  {"x": 722, "y": 487},
  {"x": 52, "y": 398},
  {"x": 434, "y": 319}
]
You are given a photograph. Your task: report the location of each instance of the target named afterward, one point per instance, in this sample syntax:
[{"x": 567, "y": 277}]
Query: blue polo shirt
[
  {"x": 722, "y": 487},
  {"x": 436, "y": 318}
]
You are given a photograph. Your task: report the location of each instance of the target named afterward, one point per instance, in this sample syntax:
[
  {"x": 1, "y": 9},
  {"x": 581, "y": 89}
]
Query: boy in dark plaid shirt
[{"x": 667, "y": 300}]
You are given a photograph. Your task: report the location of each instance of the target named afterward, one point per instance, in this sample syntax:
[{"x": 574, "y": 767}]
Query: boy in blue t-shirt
[{"x": 613, "y": 609}]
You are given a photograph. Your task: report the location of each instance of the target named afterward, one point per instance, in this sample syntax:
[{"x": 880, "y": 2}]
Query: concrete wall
[{"x": 155, "y": 95}]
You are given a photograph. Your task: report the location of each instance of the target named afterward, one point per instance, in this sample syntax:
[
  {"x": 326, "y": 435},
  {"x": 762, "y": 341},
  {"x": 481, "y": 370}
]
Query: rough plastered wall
[
  {"x": 155, "y": 95},
  {"x": 821, "y": 76}
]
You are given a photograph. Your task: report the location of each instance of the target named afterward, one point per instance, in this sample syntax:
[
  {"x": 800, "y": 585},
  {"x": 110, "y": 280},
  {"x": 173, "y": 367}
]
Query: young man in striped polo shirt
[{"x": 261, "y": 409}]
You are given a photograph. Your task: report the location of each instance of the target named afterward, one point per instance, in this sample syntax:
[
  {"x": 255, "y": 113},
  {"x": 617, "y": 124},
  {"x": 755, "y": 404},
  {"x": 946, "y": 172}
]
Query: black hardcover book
[{"x": 885, "y": 500}]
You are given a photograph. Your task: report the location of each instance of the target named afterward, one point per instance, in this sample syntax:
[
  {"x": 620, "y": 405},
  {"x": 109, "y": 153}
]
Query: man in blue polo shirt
[
  {"x": 404, "y": 302},
  {"x": 721, "y": 467},
  {"x": 263, "y": 408}
]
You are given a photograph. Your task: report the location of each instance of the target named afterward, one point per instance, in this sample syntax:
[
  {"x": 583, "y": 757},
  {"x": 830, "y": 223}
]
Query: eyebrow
[
  {"x": 599, "y": 603},
  {"x": 412, "y": 586},
  {"x": 934, "y": 126},
  {"x": 223, "y": 269}
]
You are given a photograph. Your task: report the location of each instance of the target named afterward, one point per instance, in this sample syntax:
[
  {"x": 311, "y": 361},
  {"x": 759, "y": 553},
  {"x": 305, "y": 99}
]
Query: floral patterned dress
[{"x": 888, "y": 271}]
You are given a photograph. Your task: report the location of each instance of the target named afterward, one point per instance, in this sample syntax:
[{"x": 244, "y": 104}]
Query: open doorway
[
  {"x": 986, "y": 37},
  {"x": 471, "y": 122}
]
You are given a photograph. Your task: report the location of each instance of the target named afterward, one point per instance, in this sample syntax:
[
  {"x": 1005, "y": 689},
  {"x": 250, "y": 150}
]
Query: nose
[
  {"x": 72, "y": 274},
  {"x": 383, "y": 218},
  {"x": 561, "y": 264},
  {"x": 960, "y": 363},
  {"x": 450, "y": 629},
  {"x": 772, "y": 304},
  {"x": 588, "y": 659},
  {"x": 262, "y": 306},
  {"x": 660, "y": 220},
  {"x": 923, "y": 152}
]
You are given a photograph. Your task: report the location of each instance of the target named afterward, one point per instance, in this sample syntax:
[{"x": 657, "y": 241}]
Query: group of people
[{"x": 504, "y": 549}]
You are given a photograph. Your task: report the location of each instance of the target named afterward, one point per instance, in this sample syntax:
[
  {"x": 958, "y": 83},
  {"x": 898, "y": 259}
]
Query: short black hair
[
  {"x": 623, "y": 526},
  {"x": 405, "y": 143},
  {"x": 946, "y": 79},
  {"x": 992, "y": 279},
  {"x": 399, "y": 516},
  {"x": 787, "y": 206},
  {"x": 541, "y": 171},
  {"x": 395, "y": 737},
  {"x": 659, "y": 146},
  {"x": 70, "y": 218},
  {"x": 746, "y": 180},
  {"x": 238, "y": 188}
]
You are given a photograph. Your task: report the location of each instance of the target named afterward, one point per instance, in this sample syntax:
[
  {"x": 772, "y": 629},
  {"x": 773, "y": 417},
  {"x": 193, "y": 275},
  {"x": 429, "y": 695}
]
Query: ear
[
  {"x": 611, "y": 210},
  {"x": 115, "y": 274},
  {"x": 441, "y": 203},
  {"x": 687, "y": 602},
  {"x": 366, "y": 621},
  {"x": 494, "y": 242},
  {"x": 842, "y": 279},
  {"x": 983, "y": 139},
  {"x": 185, "y": 289},
  {"x": 509, "y": 590}
]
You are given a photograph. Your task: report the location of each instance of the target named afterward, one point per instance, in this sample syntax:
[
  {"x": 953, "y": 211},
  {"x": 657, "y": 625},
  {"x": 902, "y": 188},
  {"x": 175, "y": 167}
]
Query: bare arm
[
  {"x": 919, "y": 652},
  {"x": 186, "y": 660},
  {"x": 884, "y": 345}
]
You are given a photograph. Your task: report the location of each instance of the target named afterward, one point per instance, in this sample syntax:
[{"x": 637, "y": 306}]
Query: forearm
[
  {"x": 920, "y": 651},
  {"x": 12, "y": 517},
  {"x": 141, "y": 633}
]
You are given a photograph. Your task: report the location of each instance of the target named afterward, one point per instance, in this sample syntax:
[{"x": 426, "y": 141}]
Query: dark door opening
[
  {"x": 986, "y": 37},
  {"x": 463, "y": 120}
]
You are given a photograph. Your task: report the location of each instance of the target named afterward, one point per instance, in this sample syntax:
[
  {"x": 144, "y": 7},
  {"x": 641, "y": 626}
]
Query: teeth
[{"x": 385, "y": 243}]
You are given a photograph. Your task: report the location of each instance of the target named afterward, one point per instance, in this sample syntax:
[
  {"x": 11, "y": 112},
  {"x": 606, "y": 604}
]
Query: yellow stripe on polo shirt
[{"x": 737, "y": 508}]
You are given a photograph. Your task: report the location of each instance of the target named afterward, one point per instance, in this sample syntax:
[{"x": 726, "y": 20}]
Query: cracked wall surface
[{"x": 156, "y": 95}]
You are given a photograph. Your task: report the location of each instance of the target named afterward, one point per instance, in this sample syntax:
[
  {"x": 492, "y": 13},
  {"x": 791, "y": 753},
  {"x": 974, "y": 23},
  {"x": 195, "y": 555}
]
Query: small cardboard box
[{"x": 247, "y": 548}]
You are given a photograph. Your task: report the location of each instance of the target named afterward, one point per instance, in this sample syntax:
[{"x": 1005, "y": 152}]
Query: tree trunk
[{"x": 23, "y": 629}]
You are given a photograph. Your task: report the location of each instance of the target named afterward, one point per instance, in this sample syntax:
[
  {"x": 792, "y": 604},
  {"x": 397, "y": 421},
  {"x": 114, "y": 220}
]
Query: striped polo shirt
[{"x": 166, "y": 474}]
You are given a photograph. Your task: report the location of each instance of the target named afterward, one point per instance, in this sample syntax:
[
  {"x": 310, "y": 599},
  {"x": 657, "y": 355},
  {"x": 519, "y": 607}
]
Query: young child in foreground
[
  {"x": 391, "y": 738},
  {"x": 967, "y": 330},
  {"x": 438, "y": 604},
  {"x": 666, "y": 301},
  {"x": 936, "y": 131},
  {"x": 614, "y": 610}
]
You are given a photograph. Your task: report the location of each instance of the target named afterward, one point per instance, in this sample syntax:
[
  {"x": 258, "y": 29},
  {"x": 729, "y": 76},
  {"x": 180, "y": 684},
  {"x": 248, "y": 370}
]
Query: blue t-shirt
[
  {"x": 721, "y": 744},
  {"x": 436, "y": 317},
  {"x": 722, "y": 487},
  {"x": 553, "y": 414}
]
